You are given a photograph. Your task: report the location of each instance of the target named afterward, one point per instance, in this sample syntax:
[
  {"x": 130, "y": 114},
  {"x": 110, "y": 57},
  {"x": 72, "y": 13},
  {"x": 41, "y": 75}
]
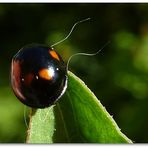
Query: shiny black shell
[{"x": 38, "y": 76}]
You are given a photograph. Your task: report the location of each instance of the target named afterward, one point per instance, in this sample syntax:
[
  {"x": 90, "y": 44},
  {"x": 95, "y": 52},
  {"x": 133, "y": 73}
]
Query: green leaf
[
  {"x": 78, "y": 117},
  {"x": 41, "y": 126}
]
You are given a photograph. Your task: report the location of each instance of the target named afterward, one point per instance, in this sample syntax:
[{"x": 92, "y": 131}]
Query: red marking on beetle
[
  {"x": 54, "y": 55},
  {"x": 45, "y": 74},
  {"x": 16, "y": 78},
  {"x": 28, "y": 79}
]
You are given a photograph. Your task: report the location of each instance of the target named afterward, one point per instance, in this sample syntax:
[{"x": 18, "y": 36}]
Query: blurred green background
[{"x": 118, "y": 75}]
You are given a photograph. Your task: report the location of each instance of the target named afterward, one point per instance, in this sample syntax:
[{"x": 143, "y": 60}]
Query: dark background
[{"x": 118, "y": 75}]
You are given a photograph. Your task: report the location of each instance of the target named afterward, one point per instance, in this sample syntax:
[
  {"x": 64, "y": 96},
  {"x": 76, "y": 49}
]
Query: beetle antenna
[
  {"x": 87, "y": 54},
  {"x": 84, "y": 20}
]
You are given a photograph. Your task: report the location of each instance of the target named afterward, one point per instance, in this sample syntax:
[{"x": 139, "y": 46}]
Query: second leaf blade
[{"x": 81, "y": 118}]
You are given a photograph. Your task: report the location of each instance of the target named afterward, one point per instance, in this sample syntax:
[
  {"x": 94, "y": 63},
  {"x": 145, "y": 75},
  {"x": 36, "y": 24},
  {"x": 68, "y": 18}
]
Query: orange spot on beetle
[
  {"x": 54, "y": 55},
  {"x": 46, "y": 74}
]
